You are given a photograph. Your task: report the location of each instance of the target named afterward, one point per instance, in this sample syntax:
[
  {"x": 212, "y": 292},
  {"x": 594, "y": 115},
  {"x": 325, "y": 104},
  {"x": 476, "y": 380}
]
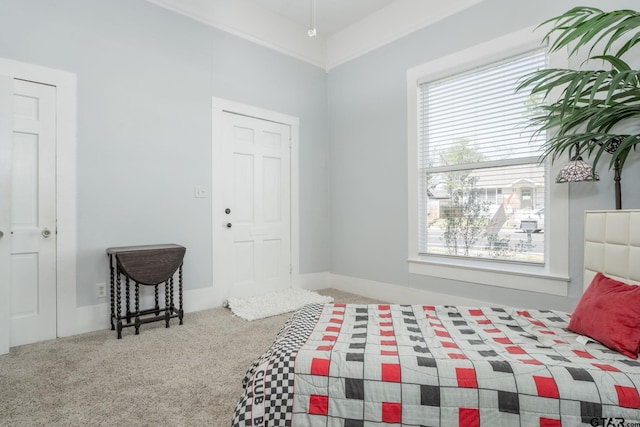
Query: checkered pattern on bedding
[{"x": 365, "y": 365}]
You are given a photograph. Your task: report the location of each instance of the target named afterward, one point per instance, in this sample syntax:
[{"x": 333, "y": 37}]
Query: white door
[
  {"x": 30, "y": 230},
  {"x": 256, "y": 180}
]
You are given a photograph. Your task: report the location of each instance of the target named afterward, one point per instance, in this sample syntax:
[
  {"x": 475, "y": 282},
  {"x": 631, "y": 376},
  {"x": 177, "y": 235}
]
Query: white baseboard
[
  {"x": 96, "y": 317},
  {"x": 313, "y": 281},
  {"x": 87, "y": 319},
  {"x": 397, "y": 294},
  {"x": 201, "y": 299}
]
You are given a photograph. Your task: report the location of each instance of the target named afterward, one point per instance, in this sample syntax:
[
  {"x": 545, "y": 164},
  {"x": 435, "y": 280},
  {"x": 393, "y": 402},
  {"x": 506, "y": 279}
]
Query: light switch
[{"x": 200, "y": 191}]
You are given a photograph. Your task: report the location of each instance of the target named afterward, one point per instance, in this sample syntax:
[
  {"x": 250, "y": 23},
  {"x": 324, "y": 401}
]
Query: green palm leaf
[{"x": 592, "y": 104}]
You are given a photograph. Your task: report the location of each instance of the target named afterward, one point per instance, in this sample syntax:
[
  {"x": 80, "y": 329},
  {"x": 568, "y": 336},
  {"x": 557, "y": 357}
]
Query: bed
[{"x": 420, "y": 365}]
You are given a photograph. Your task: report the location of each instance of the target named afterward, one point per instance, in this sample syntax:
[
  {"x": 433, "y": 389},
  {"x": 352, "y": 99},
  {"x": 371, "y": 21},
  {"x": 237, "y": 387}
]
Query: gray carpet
[{"x": 188, "y": 375}]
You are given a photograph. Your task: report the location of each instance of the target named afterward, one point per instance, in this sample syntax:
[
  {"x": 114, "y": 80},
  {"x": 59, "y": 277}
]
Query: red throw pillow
[{"x": 609, "y": 312}]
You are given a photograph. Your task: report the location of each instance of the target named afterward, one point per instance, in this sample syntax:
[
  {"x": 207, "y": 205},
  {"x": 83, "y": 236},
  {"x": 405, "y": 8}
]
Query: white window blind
[{"x": 482, "y": 190}]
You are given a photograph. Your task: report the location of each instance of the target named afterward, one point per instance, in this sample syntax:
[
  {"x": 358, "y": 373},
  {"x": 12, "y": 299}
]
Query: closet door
[{"x": 28, "y": 226}]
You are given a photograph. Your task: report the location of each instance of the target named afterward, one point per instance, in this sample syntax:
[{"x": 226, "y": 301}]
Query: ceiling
[{"x": 331, "y": 15}]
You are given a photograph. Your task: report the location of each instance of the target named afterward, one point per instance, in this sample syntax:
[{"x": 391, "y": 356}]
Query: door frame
[
  {"x": 219, "y": 107},
  {"x": 65, "y": 84}
]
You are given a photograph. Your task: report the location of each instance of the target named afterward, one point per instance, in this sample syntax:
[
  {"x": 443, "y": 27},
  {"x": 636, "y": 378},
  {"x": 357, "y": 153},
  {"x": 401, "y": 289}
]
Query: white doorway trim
[
  {"x": 65, "y": 82},
  {"x": 219, "y": 106}
]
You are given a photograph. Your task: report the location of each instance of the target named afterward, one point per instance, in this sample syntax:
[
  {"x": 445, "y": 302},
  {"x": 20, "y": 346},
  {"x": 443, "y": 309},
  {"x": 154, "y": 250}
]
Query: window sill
[{"x": 520, "y": 277}]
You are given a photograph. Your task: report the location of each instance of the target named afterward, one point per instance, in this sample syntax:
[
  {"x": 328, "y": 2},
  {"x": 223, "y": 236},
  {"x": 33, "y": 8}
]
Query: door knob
[
  {"x": 227, "y": 211},
  {"x": 228, "y": 225},
  {"x": 46, "y": 233},
  {"x": 1, "y": 234}
]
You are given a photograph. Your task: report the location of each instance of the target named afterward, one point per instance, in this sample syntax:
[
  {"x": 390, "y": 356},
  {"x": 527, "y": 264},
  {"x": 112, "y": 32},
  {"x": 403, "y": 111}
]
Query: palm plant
[{"x": 597, "y": 109}]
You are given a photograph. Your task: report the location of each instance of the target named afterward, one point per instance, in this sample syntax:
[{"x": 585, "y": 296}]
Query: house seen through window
[{"x": 482, "y": 188}]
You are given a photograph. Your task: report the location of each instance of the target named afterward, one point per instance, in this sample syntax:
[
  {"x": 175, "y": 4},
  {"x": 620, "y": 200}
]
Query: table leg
[
  {"x": 155, "y": 289},
  {"x": 167, "y": 305},
  {"x": 180, "y": 312},
  {"x": 137, "y": 296},
  {"x": 171, "y": 307},
  {"x": 118, "y": 298},
  {"x": 111, "y": 293},
  {"x": 127, "y": 291}
]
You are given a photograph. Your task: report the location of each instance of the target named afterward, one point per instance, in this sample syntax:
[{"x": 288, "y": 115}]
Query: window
[
  {"x": 474, "y": 137},
  {"x": 471, "y": 157}
]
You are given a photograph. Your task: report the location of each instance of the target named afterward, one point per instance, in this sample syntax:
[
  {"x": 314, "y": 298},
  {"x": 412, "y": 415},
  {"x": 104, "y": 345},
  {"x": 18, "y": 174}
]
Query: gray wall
[
  {"x": 368, "y": 154},
  {"x": 145, "y": 81}
]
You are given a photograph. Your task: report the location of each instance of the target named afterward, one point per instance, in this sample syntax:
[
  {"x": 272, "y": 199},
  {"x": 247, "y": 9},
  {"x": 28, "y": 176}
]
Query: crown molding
[
  {"x": 249, "y": 21},
  {"x": 252, "y": 22},
  {"x": 387, "y": 25}
]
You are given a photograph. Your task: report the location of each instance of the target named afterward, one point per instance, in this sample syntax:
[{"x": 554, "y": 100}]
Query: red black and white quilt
[{"x": 413, "y": 365}]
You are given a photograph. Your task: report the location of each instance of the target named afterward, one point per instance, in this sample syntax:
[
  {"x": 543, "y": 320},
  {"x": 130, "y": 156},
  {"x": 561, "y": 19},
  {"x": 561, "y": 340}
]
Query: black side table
[{"x": 149, "y": 265}]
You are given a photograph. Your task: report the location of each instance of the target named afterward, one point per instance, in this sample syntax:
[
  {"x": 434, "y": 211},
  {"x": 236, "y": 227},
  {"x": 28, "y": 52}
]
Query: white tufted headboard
[{"x": 612, "y": 245}]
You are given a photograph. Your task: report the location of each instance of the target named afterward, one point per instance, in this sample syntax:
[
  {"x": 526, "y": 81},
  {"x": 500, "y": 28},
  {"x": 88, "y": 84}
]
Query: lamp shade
[{"x": 577, "y": 170}]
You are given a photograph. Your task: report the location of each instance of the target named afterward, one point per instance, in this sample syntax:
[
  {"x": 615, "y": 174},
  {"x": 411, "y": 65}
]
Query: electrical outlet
[
  {"x": 101, "y": 290},
  {"x": 200, "y": 191}
]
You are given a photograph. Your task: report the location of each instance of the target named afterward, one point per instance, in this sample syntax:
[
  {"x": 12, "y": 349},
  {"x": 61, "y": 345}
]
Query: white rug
[{"x": 259, "y": 307}]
